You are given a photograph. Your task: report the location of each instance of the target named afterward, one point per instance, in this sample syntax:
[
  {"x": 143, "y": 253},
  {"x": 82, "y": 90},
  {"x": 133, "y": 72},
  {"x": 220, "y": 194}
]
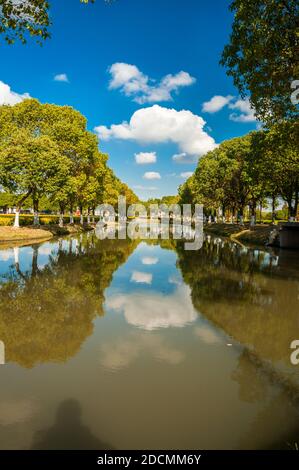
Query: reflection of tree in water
[
  {"x": 275, "y": 425},
  {"x": 68, "y": 432},
  {"x": 45, "y": 315},
  {"x": 251, "y": 300},
  {"x": 253, "y": 384}
]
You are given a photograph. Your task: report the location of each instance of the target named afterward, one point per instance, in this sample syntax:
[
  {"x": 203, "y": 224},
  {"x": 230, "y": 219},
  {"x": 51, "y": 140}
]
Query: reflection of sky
[
  {"x": 151, "y": 296},
  {"x": 24, "y": 256},
  {"x": 159, "y": 271}
]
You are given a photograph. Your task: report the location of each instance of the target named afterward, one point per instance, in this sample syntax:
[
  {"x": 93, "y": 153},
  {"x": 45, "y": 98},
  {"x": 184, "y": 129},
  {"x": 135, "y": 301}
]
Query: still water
[{"x": 121, "y": 344}]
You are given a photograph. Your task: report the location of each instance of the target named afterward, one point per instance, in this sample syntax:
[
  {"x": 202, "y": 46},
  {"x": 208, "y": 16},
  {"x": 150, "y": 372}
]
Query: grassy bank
[
  {"x": 11, "y": 234},
  {"x": 258, "y": 235}
]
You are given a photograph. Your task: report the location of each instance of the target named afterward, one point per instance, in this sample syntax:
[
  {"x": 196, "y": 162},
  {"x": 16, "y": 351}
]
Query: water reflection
[
  {"x": 248, "y": 293},
  {"x": 68, "y": 431},
  {"x": 138, "y": 333},
  {"x": 47, "y": 307}
]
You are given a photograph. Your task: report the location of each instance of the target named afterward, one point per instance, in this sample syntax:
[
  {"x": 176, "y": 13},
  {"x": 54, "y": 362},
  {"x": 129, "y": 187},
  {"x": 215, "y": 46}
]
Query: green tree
[
  {"x": 262, "y": 55},
  {"x": 22, "y": 18},
  {"x": 30, "y": 166}
]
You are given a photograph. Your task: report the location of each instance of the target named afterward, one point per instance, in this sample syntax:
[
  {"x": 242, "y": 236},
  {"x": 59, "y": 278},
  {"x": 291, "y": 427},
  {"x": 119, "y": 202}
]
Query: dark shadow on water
[{"x": 68, "y": 432}]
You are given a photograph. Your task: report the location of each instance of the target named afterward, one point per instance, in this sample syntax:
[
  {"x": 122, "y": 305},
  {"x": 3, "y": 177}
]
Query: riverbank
[
  {"x": 257, "y": 235},
  {"x": 39, "y": 233}
]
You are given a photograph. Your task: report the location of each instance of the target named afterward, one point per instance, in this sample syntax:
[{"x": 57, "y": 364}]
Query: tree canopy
[
  {"x": 20, "y": 18},
  {"x": 247, "y": 170},
  {"x": 46, "y": 150},
  {"x": 262, "y": 55}
]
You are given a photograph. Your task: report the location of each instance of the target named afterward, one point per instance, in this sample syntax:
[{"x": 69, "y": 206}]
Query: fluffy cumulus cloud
[
  {"x": 152, "y": 175},
  {"x": 61, "y": 77},
  {"x": 148, "y": 260},
  {"x": 144, "y": 158},
  {"x": 157, "y": 124},
  {"x": 134, "y": 83},
  {"x": 7, "y": 96},
  {"x": 116, "y": 355},
  {"x": 216, "y": 103},
  {"x": 145, "y": 188},
  {"x": 243, "y": 112},
  {"x": 184, "y": 158},
  {"x": 141, "y": 278},
  {"x": 186, "y": 174}
]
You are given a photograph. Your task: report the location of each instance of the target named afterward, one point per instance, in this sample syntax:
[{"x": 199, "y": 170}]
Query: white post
[
  {"x": 35, "y": 218},
  {"x": 2, "y": 353},
  {"x": 17, "y": 219}
]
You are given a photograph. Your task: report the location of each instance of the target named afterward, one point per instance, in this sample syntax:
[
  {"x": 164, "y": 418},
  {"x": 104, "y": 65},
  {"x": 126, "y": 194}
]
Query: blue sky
[{"x": 155, "y": 61}]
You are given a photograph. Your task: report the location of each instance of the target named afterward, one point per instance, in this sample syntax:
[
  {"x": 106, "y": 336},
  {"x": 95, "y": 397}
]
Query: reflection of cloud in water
[
  {"x": 45, "y": 250},
  {"x": 207, "y": 334},
  {"x": 149, "y": 260},
  {"x": 13, "y": 412},
  {"x": 154, "y": 310},
  {"x": 139, "y": 277},
  {"x": 5, "y": 255},
  {"x": 174, "y": 280},
  {"x": 122, "y": 353}
]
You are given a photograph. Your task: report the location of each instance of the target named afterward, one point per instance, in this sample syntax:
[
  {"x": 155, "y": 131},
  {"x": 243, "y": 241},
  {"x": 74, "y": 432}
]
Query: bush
[
  {"x": 27, "y": 219},
  {"x": 6, "y": 220}
]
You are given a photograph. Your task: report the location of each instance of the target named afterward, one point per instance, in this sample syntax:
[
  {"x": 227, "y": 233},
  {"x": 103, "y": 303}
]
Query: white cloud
[
  {"x": 148, "y": 260},
  {"x": 158, "y": 310},
  {"x": 5, "y": 255},
  {"x": 245, "y": 113},
  {"x": 207, "y": 334},
  {"x": 184, "y": 158},
  {"x": 143, "y": 158},
  {"x": 61, "y": 77},
  {"x": 152, "y": 175},
  {"x": 123, "y": 352},
  {"x": 157, "y": 124},
  {"x": 244, "y": 107},
  {"x": 216, "y": 103},
  {"x": 141, "y": 278},
  {"x": 134, "y": 83},
  {"x": 7, "y": 96},
  {"x": 186, "y": 174},
  {"x": 145, "y": 188}
]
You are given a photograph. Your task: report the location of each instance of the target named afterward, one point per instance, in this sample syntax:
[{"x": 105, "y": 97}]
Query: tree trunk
[
  {"x": 35, "y": 212},
  {"x": 292, "y": 212},
  {"x": 61, "y": 215},
  {"x": 88, "y": 216},
  {"x": 81, "y": 215},
  {"x": 71, "y": 215},
  {"x": 273, "y": 208},
  {"x": 252, "y": 212}
]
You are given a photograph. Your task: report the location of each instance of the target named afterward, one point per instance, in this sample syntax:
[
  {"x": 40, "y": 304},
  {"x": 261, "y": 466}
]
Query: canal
[{"x": 120, "y": 344}]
